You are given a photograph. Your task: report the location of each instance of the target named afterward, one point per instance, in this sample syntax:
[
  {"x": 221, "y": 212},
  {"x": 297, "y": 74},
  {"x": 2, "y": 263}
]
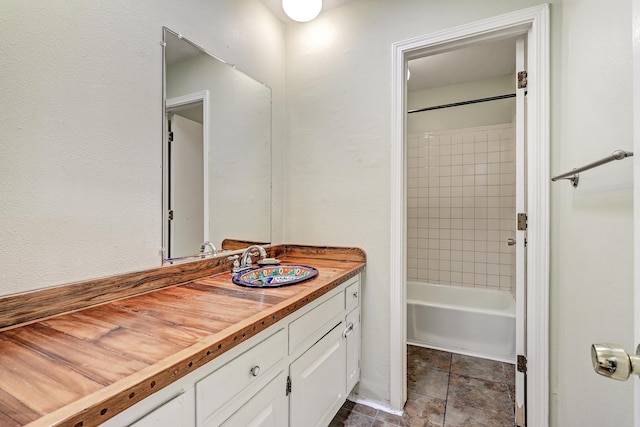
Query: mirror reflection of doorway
[{"x": 186, "y": 176}]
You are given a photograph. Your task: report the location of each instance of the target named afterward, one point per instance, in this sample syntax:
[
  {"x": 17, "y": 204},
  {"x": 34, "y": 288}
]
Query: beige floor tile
[
  {"x": 464, "y": 416},
  {"x": 381, "y": 423},
  {"x": 428, "y": 382},
  {"x": 365, "y": 410},
  {"x": 428, "y": 358},
  {"x": 509, "y": 373},
  {"x": 423, "y": 411},
  {"x": 487, "y": 396},
  {"x": 444, "y": 390},
  {"x": 347, "y": 418},
  {"x": 478, "y": 368}
]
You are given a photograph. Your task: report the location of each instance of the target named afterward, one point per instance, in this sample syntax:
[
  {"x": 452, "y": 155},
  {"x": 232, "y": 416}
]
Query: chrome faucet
[
  {"x": 245, "y": 258},
  {"x": 204, "y": 246}
]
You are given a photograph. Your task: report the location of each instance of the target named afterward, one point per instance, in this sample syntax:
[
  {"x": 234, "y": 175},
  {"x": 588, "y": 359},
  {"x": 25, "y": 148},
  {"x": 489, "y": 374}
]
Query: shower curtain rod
[{"x": 457, "y": 104}]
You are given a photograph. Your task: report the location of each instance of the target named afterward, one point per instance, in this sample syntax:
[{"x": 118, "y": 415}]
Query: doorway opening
[
  {"x": 531, "y": 24},
  {"x": 461, "y": 188}
]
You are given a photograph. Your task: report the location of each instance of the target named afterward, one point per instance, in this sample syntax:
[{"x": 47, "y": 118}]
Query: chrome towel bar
[{"x": 573, "y": 176}]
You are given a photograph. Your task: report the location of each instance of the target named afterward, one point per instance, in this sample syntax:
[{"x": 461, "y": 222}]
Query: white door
[
  {"x": 186, "y": 180},
  {"x": 521, "y": 235}
]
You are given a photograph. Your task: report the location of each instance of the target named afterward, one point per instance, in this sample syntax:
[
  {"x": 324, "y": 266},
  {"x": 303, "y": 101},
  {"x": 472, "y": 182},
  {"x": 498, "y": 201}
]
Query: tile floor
[{"x": 445, "y": 390}]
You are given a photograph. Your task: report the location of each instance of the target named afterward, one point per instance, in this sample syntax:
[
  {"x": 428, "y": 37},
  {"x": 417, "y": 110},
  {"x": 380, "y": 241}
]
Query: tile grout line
[{"x": 446, "y": 398}]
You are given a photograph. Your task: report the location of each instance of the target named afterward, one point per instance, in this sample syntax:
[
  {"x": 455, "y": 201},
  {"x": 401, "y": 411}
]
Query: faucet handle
[{"x": 236, "y": 263}]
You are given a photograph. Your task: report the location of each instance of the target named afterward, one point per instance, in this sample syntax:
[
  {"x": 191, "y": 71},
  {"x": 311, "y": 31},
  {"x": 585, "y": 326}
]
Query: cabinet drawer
[
  {"x": 313, "y": 325},
  {"x": 228, "y": 381},
  {"x": 352, "y": 294}
]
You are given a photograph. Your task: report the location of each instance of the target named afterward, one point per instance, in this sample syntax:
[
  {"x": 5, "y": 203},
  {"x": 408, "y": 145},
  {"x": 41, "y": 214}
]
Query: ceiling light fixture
[{"x": 302, "y": 10}]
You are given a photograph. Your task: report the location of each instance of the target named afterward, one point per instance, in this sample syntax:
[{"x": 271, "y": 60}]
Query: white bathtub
[{"x": 476, "y": 322}]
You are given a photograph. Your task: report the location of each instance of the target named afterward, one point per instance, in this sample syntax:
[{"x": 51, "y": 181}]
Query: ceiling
[
  {"x": 457, "y": 66},
  {"x": 275, "y": 6},
  {"x": 177, "y": 49},
  {"x": 463, "y": 65}
]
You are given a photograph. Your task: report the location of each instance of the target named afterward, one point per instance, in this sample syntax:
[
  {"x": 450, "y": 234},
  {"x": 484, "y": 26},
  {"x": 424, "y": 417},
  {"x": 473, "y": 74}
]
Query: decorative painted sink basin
[{"x": 275, "y": 276}]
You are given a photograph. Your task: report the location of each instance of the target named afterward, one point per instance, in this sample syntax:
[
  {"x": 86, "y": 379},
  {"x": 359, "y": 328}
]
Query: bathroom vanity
[
  {"x": 204, "y": 352},
  {"x": 300, "y": 369}
]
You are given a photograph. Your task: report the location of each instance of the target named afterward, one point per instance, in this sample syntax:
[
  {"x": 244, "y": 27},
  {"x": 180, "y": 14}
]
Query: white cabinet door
[
  {"x": 268, "y": 408},
  {"x": 318, "y": 381},
  {"x": 352, "y": 336},
  {"x": 171, "y": 414}
]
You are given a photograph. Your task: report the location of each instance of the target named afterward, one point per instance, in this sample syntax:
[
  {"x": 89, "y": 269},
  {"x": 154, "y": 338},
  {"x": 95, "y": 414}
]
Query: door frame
[
  {"x": 636, "y": 192},
  {"x": 534, "y": 23},
  {"x": 520, "y": 234},
  {"x": 170, "y": 103}
]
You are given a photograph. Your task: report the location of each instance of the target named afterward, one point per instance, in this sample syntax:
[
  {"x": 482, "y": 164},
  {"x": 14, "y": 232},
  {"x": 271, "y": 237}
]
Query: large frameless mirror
[{"x": 216, "y": 156}]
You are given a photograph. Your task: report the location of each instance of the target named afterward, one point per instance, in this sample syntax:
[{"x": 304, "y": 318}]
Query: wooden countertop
[{"x": 83, "y": 367}]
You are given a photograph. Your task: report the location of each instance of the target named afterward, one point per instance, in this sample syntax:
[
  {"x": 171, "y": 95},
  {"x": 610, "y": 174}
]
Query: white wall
[
  {"x": 81, "y": 105},
  {"x": 337, "y": 187}
]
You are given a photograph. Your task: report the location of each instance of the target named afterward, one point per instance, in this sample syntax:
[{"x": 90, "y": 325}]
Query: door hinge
[
  {"x": 522, "y": 221},
  {"x": 170, "y": 215},
  {"x": 522, "y": 80},
  {"x": 522, "y": 363},
  {"x": 170, "y": 136},
  {"x": 288, "y": 390}
]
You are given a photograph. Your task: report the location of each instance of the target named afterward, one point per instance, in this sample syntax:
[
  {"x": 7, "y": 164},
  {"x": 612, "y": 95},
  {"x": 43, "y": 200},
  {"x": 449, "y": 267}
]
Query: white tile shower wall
[{"x": 461, "y": 207}]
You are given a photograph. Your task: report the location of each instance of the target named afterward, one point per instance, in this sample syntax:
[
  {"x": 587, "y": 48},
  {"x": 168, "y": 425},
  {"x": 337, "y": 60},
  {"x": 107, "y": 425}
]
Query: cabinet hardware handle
[
  {"x": 255, "y": 371},
  {"x": 355, "y": 294},
  {"x": 348, "y": 330}
]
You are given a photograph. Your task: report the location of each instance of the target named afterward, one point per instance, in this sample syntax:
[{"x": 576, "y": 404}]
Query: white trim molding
[{"x": 534, "y": 23}]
